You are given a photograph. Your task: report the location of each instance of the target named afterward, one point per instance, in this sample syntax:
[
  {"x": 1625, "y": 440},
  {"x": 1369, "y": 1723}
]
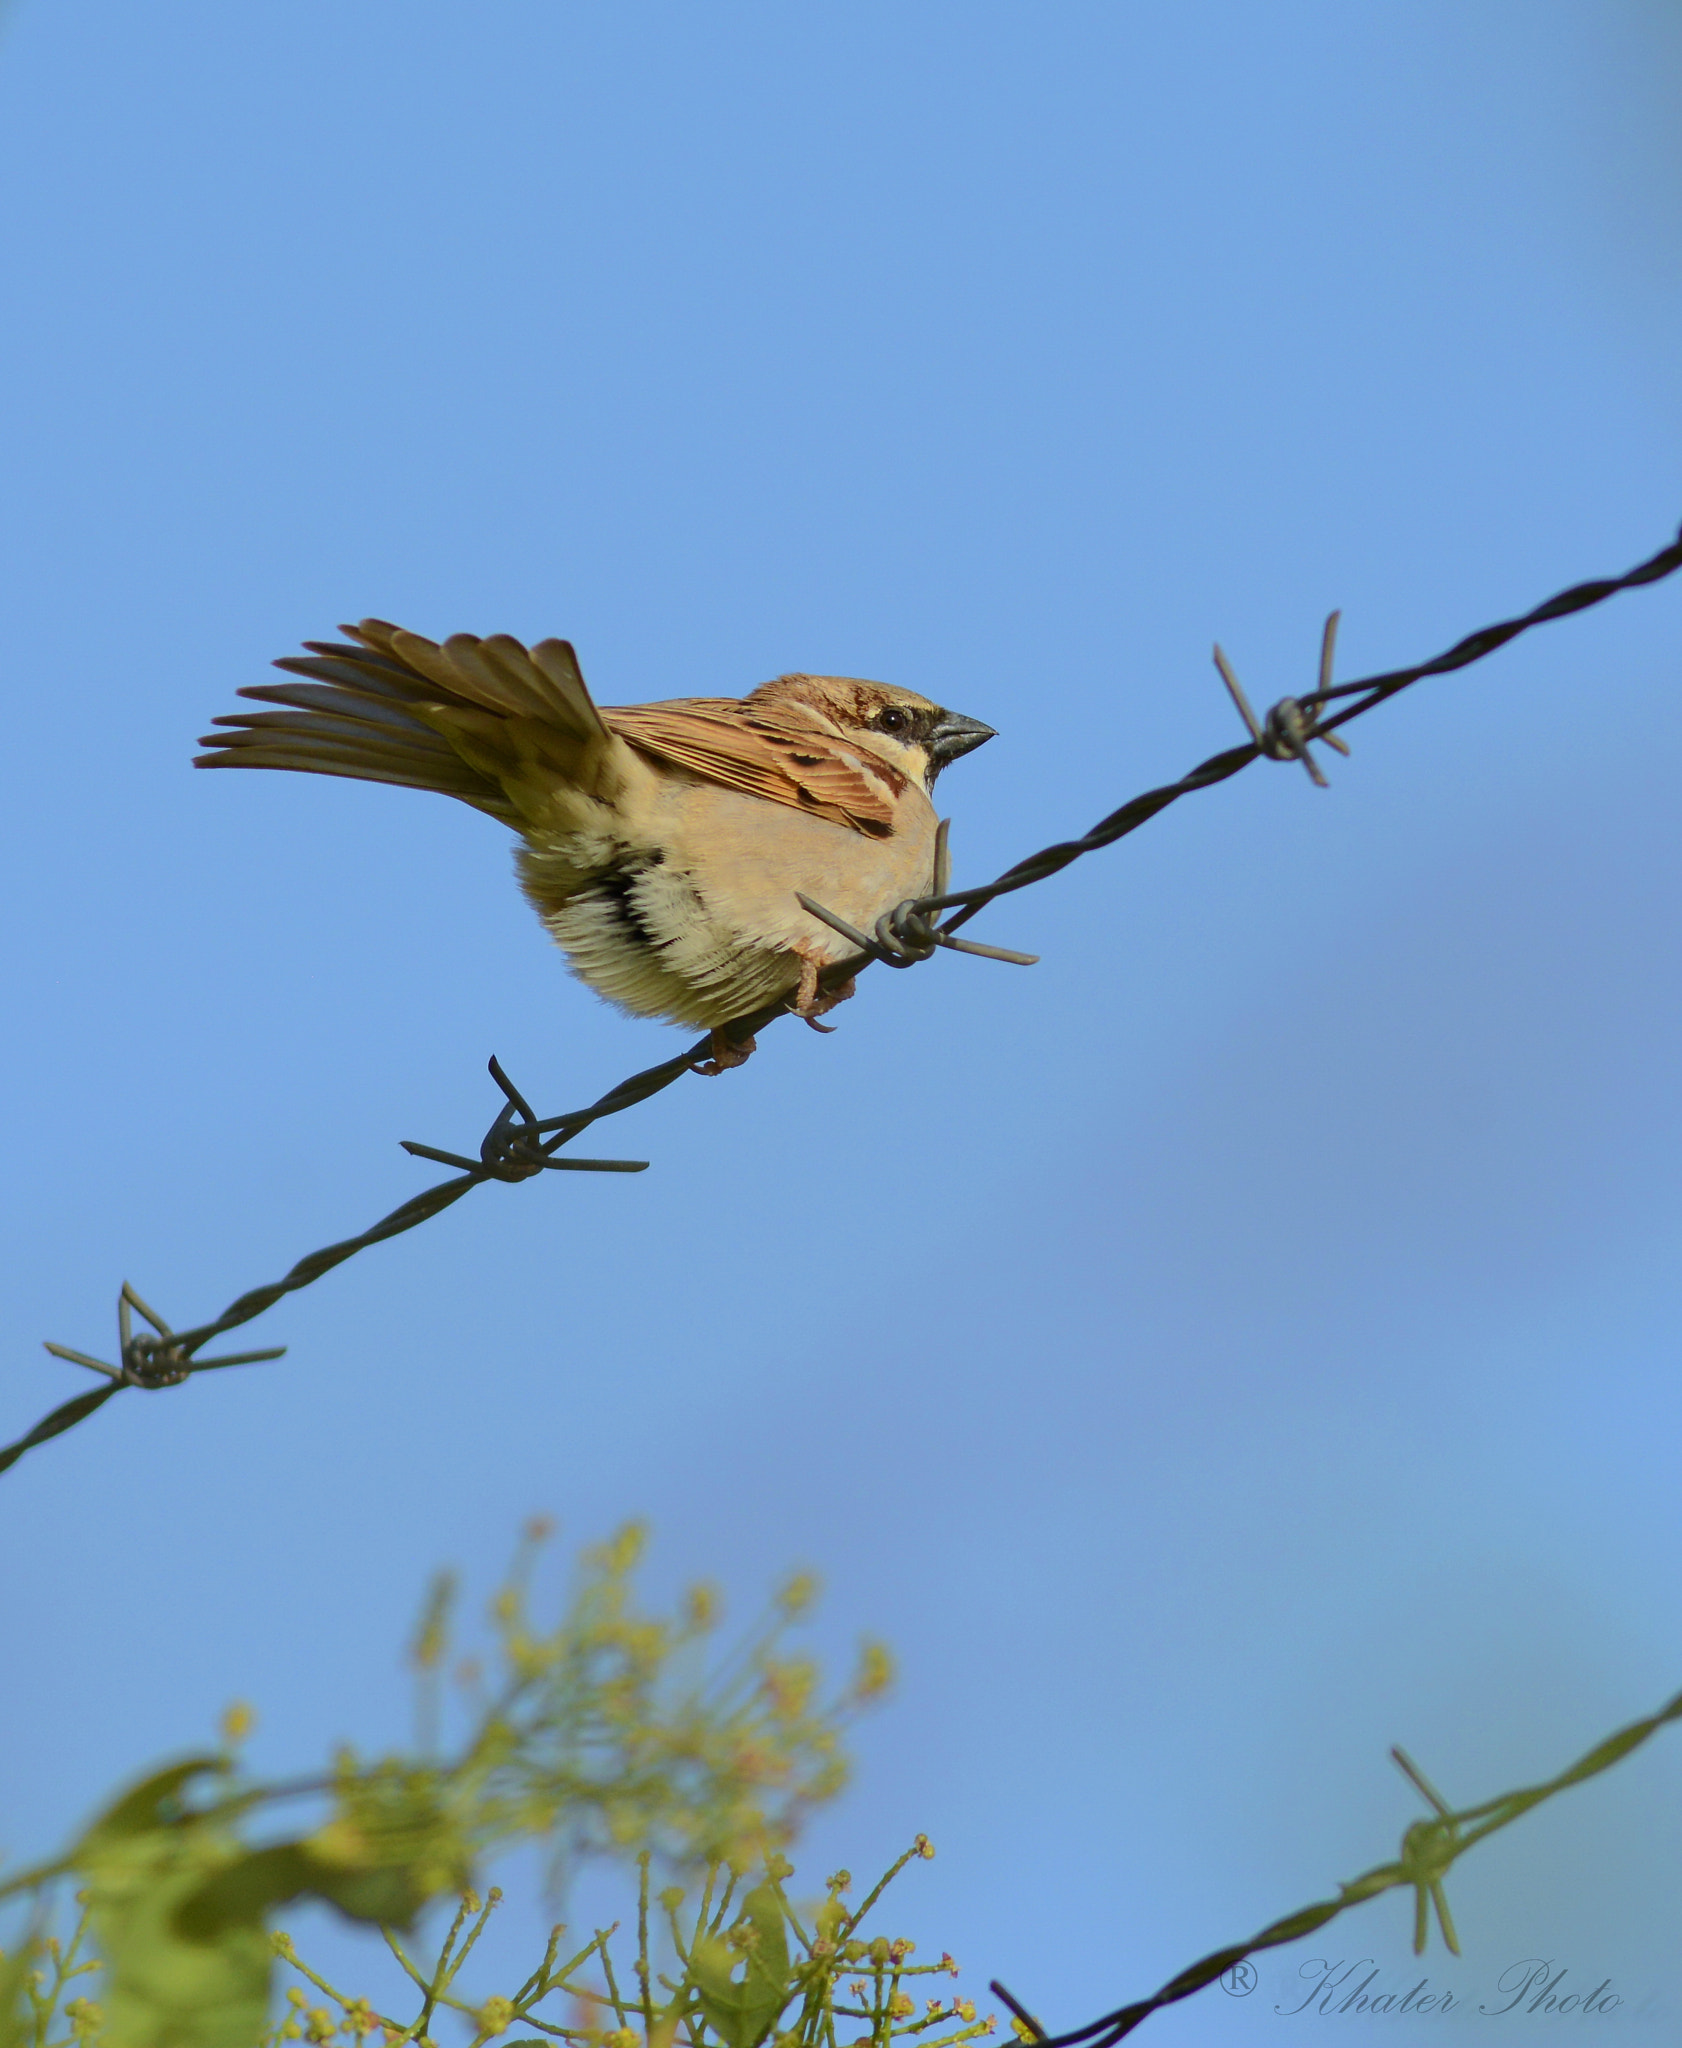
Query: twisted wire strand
[
  {"x": 1428, "y": 1849},
  {"x": 1367, "y": 694},
  {"x": 519, "y": 1145}
]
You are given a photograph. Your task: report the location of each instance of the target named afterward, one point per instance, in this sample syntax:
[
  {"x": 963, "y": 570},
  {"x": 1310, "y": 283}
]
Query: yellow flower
[
  {"x": 798, "y": 1593},
  {"x": 237, "y": 1723},
  {"x": 86, "y": 2018},
  {"x": 876, "y": 1671},
  {"x": 622, "y": 1550},
  {"x": 789, "y": 1685},
  {"x": 495, "y": 2016},
  {"x": 702, "y": 1606}
]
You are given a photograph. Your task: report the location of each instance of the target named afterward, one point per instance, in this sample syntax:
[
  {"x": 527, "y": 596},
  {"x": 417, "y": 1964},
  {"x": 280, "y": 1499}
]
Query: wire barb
[
  {"x": 513, "y": 1148},
  {"x": 1428, "y": 1849},
  {"x": 1322, "y": 689},
  {"x": 163, "y": 1359},
  {"x": 1287, "y": 729},
  {"x": 904, "y": 937}
]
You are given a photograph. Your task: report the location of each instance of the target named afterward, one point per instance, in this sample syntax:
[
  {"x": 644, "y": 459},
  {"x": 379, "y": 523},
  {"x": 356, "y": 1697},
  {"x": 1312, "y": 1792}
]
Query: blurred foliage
[
  {"x": 611, "y": 1733},
  {"x": 746, "y": 1968}
]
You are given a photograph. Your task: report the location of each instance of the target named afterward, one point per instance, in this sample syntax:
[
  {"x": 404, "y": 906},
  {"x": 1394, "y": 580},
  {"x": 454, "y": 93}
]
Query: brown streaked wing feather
[
  {"x": 835, "y": 771},
  {"x": 717, "y": 738}
]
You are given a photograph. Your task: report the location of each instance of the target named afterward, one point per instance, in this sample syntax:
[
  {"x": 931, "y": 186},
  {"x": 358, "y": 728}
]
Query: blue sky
[{"x": 1241, "y": 1342}]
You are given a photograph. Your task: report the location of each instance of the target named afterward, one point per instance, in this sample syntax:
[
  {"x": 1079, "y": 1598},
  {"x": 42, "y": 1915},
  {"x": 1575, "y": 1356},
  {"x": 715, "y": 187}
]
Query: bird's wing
[
  {"x": 489, "y": 721},
  {"x": 509, "y": 729},
  {"x": 727, "y": 742}
]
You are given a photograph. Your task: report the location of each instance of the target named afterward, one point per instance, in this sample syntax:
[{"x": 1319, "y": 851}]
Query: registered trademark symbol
[{"x": 1238, "y": 1980}]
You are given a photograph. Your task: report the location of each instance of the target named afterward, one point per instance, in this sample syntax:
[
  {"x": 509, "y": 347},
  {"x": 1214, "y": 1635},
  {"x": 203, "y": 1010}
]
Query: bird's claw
[{"x": 723, "y": 1054}]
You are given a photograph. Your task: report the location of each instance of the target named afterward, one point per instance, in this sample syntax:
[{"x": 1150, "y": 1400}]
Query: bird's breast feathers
[{"x": 694, "y": 912}]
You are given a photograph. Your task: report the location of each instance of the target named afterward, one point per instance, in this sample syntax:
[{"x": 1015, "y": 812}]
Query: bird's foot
[
  {"x": 810, "y": 1002},
  {"x": 724, "y": 1053}
]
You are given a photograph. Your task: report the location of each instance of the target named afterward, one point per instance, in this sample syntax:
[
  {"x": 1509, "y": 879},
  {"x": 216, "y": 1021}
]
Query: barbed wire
[
  {"x": 521, "y": 1145},
  {"x": 1429, "y": 1849}
]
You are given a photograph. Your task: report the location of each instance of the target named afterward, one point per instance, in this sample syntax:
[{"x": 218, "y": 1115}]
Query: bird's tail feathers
[{"x": 464, "y": 718}]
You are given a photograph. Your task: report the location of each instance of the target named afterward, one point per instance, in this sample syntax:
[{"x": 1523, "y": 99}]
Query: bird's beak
[{"x": 953, "y": 734}]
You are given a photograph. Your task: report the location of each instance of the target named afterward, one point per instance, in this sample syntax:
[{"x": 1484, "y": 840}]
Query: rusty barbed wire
[
  {"x": 1429, "y": 1849},
  {"x": 1284, "y": 735},
  {"x": 521, "y": 1146},
  {"x": 511, "y": 1150}
]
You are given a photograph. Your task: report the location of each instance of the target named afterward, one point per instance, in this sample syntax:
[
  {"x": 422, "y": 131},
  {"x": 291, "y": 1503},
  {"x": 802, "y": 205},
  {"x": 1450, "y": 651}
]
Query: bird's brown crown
[{"x": 852, "y": 704}]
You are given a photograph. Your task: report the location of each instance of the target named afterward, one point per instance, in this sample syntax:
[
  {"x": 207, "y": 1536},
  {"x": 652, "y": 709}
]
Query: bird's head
[{"x": 905, "y": 730}]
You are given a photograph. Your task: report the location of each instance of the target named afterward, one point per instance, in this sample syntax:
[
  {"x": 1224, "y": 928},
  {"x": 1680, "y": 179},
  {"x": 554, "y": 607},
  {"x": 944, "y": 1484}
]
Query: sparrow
[{"x": 665, "y": 846}]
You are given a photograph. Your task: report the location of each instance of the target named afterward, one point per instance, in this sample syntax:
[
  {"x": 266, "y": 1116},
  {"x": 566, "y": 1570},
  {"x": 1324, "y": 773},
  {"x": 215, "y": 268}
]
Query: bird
[{"x": 665, "y": 846}]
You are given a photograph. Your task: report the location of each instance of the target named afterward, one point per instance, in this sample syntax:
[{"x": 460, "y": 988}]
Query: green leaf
[
  {"x": 388, "y": 1897},
  {"x": 164, "y": 1986},
  {"x": 742, "y": 2013},
  {"x": 180, "y": 1916},
  {"x": 154, "y": 1803},
  {"x": 243, "y": 1891}
]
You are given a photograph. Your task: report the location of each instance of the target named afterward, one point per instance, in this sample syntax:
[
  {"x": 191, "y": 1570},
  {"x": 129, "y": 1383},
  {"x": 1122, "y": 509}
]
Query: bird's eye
[{"x": 892, "y": 719}]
